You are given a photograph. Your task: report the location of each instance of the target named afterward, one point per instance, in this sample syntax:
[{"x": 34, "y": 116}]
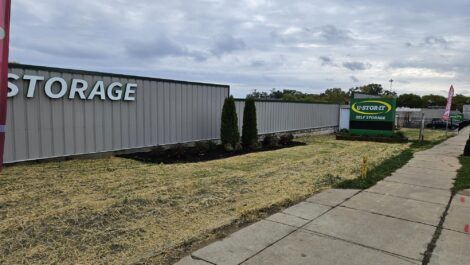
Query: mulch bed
[{"x": 180, "y": 154}]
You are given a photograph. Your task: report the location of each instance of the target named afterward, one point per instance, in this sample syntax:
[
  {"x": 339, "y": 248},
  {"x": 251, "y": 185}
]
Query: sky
[{"x": 423, "y": 45}]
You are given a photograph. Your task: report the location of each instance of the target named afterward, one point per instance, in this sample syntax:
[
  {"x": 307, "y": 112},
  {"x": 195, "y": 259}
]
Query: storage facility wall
[
  {"x": 274, "y": 117},
  {"x": 344, "y": 118},
  {"x": 466, "y": 112},
  {"x": 164, "y": 112},
  {"x": 432, "y": 113}
]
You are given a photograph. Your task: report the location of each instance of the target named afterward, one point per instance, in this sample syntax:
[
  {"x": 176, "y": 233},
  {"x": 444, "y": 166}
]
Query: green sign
[
  {"x": 456, "y": 118},
  {"x": 372, "y": 116}
]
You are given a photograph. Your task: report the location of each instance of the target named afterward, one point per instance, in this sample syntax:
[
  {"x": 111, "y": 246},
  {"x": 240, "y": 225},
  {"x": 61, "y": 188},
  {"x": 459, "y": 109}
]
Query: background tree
[
  {"x": 389, "y": 94},
  {"x": 459, "y": 100},
  {"x": 410, "y": 100},
  {"x": 336, "y": 95},
  {"x": 434, "y": 101},
  {"x": 229, "y": 134},
  {"x": 259, "y": 95},
  {"x": 293, "y": 95},
  {"x": 249, "y": 129},
  {"x": 276, "y": 94},
  {"x": 372, "y": 89}
]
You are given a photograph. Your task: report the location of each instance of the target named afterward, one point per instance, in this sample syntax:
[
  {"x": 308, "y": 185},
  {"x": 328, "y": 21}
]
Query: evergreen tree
[
  {"x": 229, "y": 134},
  {"x": 249, "y": 129}
]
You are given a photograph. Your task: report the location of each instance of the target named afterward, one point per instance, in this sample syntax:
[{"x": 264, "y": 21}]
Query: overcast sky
[{"x": 254, "y": 44}]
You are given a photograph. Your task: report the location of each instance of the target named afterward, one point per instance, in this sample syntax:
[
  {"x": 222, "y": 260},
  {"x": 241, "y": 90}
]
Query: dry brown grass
[{"x": 115, "y": 210}]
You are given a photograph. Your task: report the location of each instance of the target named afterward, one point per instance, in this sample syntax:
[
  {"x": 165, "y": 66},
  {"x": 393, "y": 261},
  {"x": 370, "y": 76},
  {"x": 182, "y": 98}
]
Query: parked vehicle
[
  {"x": 442, "y": 124},
  {"x": 464, "y": 124}
]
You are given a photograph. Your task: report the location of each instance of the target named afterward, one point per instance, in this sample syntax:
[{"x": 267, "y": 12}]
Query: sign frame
[{"x": 372, "y": 116}]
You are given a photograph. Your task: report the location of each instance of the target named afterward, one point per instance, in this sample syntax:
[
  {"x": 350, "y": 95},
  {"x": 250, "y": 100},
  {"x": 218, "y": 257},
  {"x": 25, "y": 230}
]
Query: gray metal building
[
  {"x": 163, "y": 112},
  {"x": 56, "y": 112},
  {"x": 282, "y": 116},
  {"x": 466, "y": 112}
]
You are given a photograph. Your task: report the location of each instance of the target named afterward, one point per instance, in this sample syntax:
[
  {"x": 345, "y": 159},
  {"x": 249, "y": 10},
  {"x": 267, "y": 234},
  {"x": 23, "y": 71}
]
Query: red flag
[
  {"x": 446, "y": 114},
  {"x": 5, "y": 6}
]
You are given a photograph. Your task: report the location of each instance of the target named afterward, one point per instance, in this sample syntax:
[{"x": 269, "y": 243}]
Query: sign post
[
  {"x": 421, "y": 128},
  {"x": 5, "y": 6}
]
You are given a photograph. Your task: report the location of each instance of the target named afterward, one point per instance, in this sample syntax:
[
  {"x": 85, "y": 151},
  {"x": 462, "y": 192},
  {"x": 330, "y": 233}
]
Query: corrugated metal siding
[
  {"x": 433, "y": 113},
  {"x": 428, "y": 113},
  {"x": 276, "y": 117},
  {"x": 164, "y": 112},
  {"x": 344, "y": 117},
  {"x": 466, "y": 112}
]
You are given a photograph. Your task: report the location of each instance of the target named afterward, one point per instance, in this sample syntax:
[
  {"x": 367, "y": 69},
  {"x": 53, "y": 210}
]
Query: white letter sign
[
  {"x": 62, "y": 91},
  {"x": 58, "y": 87}
]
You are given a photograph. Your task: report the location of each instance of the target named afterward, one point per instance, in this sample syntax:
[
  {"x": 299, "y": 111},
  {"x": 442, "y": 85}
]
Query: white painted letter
[
  {"x": 114, "y": 94},
  {"x": 32, "y": 84},
  {"x": 130, "y": 90},
  {"x": 76, "y": 88},
  {"x": 48, "y": 88},
  {"x": 98, "y": 89},
  {"x": 13, "y": 89}
]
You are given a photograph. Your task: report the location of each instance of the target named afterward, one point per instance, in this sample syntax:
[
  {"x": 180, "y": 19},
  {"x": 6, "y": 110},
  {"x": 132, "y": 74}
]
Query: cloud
[
  {"x": 325, "y": 60},
  {"x": 356, "y": 66},
  {"x": 354, "y": 79},
  {"x": 437, "y": 66},
  {"x": 253, "y": 44},
  {"x": 332, "y": 34},
  {"x": 258, "y": 63},
  {"x": 162, "y": 47},
  {"x": 431, "y": 41},
  {"x": 267, "y": 63},
  {"x": 62, "y": 48},
  {"x": 421, "y": 72},
  {"x": 228, "y": 44},
  {"x": 304, "y": 36},
  {"x": 436, "y": 41}
]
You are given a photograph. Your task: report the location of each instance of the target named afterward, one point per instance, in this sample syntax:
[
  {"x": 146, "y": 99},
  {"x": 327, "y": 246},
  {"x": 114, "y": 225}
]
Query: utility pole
[{"x": 391, "y": 84}]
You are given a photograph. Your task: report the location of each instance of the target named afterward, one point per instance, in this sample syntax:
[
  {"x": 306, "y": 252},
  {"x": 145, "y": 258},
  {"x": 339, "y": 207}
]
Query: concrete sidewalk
[{"x": 390, "y": 223}]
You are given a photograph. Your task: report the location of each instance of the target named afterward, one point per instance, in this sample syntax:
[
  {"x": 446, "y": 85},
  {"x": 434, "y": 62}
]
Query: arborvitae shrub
[
  {"x": 249, "y": 129},
  {"x": 229, "y": 134}
]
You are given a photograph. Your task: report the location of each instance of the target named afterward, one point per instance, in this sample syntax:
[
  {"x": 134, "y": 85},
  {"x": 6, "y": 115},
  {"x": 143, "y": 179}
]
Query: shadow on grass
[
  {"x": 387, "y": 167},
  {"x": 378, "y": 173}
]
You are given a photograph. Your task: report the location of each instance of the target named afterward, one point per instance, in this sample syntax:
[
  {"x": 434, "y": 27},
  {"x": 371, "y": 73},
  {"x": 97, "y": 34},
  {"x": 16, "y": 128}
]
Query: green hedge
[
  {"x": 249, "y": 129},
  {"x": 229, "y": 134}
]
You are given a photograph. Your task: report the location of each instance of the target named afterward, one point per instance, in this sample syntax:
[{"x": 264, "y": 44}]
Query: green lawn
[
  {"x": 388, "y": 166},
  {"x": 462, "y": 181},
  {"x": 116, "y": 210}
]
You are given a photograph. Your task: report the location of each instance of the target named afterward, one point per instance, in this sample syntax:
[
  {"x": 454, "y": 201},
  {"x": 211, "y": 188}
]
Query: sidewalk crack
[
  {"x": 395, "y": 181},
  {"x": 437, "y": 233},
  {"x": 403, "y": 197}
]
